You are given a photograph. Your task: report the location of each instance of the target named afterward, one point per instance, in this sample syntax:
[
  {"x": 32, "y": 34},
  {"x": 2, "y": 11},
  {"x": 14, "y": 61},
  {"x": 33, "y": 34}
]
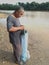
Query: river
[{"x": 31, "y": 18}]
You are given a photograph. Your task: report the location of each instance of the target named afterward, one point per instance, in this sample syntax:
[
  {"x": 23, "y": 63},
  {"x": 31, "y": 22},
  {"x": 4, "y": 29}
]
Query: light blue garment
[{"x": 24, "y": 42}]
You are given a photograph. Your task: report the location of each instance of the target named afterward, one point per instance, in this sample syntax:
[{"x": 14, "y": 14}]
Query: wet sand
[{"x": 38, "y": 45}]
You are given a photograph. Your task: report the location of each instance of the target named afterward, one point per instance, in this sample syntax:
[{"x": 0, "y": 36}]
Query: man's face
[{"x": 20, "y": 13}]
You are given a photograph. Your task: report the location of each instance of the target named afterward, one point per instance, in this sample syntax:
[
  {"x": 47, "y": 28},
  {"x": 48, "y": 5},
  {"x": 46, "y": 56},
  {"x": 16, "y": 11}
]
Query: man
[{"x": 14, "y": 28}]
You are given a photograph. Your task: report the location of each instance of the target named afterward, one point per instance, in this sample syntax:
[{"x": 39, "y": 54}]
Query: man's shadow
[{"x": 6, "y": 56}]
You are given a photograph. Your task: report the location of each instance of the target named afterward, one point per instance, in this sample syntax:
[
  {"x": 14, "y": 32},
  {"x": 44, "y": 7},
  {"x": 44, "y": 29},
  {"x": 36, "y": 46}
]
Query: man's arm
[{"x": 13, "y": 29}]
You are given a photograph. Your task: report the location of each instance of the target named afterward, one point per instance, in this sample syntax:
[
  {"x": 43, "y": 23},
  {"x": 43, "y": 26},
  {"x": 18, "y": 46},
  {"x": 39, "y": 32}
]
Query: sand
[
  {"x": 38, "y": 45},
  {"x": 3, "y": 15}
]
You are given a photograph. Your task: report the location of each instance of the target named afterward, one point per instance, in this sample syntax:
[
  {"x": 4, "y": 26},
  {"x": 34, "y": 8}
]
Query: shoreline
[{"x": 4, "y": 14}]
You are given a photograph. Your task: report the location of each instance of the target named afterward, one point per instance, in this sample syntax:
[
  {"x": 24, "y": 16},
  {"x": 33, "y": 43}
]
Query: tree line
[{"x": 33, "y": 6}]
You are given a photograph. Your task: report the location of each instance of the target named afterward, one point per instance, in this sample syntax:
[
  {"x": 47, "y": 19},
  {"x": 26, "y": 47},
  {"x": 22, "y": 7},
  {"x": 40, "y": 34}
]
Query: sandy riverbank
[
  {"x": 38, "y": 46},
  {"x": 3, "y": 15}
]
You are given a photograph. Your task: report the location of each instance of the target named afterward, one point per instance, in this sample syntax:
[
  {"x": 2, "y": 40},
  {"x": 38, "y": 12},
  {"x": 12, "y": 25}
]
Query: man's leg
[{"x": 17, "y": 52}]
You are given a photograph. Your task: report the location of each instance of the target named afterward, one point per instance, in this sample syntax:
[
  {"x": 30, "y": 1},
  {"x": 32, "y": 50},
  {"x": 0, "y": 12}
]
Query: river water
[{"x": 31, "y": 19}]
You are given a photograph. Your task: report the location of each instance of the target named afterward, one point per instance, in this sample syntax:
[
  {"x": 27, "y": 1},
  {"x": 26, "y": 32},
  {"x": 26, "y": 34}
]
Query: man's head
[{"x": 19, "y": 11}]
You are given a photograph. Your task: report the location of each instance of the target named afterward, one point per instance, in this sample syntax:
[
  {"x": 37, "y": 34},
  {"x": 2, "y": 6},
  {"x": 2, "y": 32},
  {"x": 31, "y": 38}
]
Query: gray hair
[{"x": 18, "y": 8}]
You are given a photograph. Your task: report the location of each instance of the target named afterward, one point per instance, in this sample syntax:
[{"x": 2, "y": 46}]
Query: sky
[{"x": 15, "y": 1}]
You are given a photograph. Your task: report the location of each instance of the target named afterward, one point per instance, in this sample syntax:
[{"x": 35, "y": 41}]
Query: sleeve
[{"x": 9, "y": 23}]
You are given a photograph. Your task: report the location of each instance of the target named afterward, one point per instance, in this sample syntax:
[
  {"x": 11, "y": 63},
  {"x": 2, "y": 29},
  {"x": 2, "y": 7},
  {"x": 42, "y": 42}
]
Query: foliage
[{"x": 33, "y": 6}]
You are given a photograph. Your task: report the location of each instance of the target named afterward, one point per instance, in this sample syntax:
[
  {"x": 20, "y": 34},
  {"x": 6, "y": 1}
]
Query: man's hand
[{"x": 22, "y": 27}]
